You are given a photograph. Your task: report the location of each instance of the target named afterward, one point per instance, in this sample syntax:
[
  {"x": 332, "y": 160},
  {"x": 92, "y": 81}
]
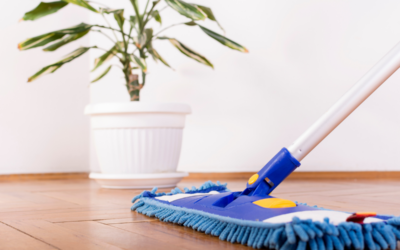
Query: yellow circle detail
[{"x": 253, "y": 179}]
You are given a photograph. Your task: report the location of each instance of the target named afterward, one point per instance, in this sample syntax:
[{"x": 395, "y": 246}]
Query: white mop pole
[{"x": 347, "y": 104}]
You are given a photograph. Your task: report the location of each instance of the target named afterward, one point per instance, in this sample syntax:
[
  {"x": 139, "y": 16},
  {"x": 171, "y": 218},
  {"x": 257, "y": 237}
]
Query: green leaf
[
  {"x": 74, "y": 29},
  {"x": 105, "y": 57},
  {"x": 82, "y": 3},
  {"x": 187, "y": 51},
  {"x": 44, "y": 9},
  {"x": 135, "y": 4},
  {"x": 223, "y": 40},
  {"x": 38, "y": 41},
  {"x": 210, "y": 14},
  {"x": 207, "y": 11},
  {"x": 133, "y": 21},
  {"x": 140, "y": 40},
  {"x": 149, "y": 36},
  {"x": 109, "y": 10},
  {"x": 102, "y": 74},
  {"x": 155, "y": 3},
  {"x": 44, "y": 39},
  {"x": 153, "y": 52},
  {"x": 188, "y": 10},
  {"x": 119, "y": 17},
  {"x": 139, "y": 61},
  {"x": 139, "y": 17},
  {"x": 156, "y": 16},
  {"x": 53, "y": 67},
  {"x": 66, "y": 40},
  {"x": 191, "y": 23}
]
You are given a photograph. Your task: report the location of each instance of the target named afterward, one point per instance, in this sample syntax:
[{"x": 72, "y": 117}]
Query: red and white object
[{"x": 137, "y": 138}]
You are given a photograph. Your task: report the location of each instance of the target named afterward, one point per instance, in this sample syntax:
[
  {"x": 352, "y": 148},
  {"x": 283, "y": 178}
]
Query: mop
[{"x": 255, "y": 218}]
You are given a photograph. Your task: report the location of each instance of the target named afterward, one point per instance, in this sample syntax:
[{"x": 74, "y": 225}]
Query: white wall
[
  {"x": 303, "y": 56},
  {"x": 42, "y": 126}
]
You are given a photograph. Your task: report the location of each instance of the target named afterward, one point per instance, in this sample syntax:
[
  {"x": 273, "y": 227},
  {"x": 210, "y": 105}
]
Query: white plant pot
[{"x": 134, "y": 140}]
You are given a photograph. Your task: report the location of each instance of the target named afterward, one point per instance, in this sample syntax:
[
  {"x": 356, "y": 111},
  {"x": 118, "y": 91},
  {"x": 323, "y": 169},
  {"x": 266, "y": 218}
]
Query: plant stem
[
  {"x": 148, "y": 15},
  {"x": 120, "y": 51},
  {"x": 168, "y": 28},
  {"x": 105, "y": 35},
  {"x": 107, "y": 51},
  {"x": 148, "y": 18},
  {"x": 116, "y": 65},
  {"x": 142, "y": 55},
  {"x": 140, "y": 21},
  {"x": 109, "y": 28},
  {"x": 115, "y": 35},
  {"x": 126, "y": 63},
  {"x": 145, "y": 8}
]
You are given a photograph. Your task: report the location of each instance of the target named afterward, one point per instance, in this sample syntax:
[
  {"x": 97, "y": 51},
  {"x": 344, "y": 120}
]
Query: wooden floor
[{"x": 78, "y": 214}]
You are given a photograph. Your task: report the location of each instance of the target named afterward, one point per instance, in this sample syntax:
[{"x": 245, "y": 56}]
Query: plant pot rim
[{"x": 136, "y": 107}]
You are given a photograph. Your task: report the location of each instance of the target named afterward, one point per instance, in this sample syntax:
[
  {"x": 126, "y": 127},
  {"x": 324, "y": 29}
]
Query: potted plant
[{"x": 137, "y": 144}]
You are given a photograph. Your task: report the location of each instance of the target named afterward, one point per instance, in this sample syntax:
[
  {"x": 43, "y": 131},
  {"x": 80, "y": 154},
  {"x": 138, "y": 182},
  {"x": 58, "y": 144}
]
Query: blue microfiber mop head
[
  {"x": 256, "y": 219},
  {"x": 298, "y": 227}
]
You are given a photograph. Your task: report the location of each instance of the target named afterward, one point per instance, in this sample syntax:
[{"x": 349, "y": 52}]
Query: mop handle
[{"x": 347, "y": 104}]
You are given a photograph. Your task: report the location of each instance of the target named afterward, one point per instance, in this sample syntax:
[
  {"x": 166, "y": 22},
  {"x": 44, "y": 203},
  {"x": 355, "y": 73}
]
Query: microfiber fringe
[{"x": 296, "y": 235}]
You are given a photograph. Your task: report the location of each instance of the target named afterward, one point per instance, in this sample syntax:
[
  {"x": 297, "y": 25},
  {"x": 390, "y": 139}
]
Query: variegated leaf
[
  {"x": 44, "y": 9},
  {"x": 105, "y": 57},
  {"x": 156, "y": 16},
  {"x": 140, "y": 40},
  {"x": 186, "y": 9},
  {"x": 39, "y": 41},
  {"x": 102, "y": 74},
  {"x": 53, "y": 67},
  {"x": 224, "y": 40},
  {"x": 210, "y": 14},
  {"x": 82, "y": 3},
  {"x": 188, "y": 51},
  {"x": 119, "y": 17},
  {"x": 153, "y": 52},
  {"x": 52, "y": 36},
  {"x": 139, "y": 62},
  {"x": 66, "y": 40},
  {"x": 156, "y": 56}
]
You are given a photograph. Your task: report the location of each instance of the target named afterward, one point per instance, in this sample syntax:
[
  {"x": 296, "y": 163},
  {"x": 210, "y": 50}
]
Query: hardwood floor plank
[
  {"x": 95, "y": 196},
  {"x": 58, "y": 236},
  {"x": 183, "y": 237},
  {"x": 134, "y": 219},
  {"x": 117, "y": 237},
  {"x": 12, "y": 239},
  {"x": 58, "y": 213}
]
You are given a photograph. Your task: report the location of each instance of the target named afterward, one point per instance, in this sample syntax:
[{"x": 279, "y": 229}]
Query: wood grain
[
  {"x": 116, "y": 237},
  {"x": 340, "y": 175},
  {"x": 58, "y": 236},
  {"x": 182, "y": 237},
  {"x": 12, "y": 238},
  {"x": 47, "y": 176},
  {"x": 78, "y": 214}
]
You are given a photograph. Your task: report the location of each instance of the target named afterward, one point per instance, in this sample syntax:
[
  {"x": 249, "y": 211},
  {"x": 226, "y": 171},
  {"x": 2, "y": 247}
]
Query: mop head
[{"x": 268, "y": 222}]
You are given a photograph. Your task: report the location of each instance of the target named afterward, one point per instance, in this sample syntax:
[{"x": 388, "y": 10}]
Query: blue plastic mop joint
[{"x": 272, "y": 174}]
